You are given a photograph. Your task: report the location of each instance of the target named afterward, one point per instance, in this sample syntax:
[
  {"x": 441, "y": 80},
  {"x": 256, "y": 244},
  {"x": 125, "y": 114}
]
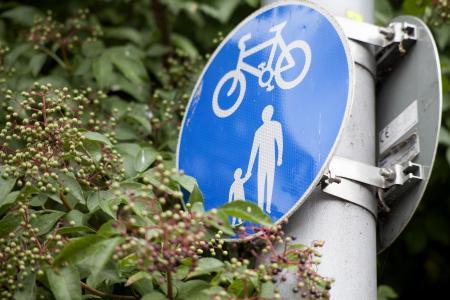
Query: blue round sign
[{"x": 267, "y": 111}]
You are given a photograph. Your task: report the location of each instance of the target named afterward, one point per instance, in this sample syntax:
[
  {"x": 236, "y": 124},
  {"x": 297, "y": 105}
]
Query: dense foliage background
[{"x": 92, "y": 94}]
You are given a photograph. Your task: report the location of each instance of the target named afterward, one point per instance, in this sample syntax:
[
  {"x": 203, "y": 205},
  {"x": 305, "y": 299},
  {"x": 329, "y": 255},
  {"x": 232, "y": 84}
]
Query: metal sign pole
[{"x": 347, "y": 227}]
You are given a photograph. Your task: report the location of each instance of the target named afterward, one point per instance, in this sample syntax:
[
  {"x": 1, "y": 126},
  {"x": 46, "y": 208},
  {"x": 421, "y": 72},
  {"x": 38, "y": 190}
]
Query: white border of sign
[{"x": 350, "y": 97}]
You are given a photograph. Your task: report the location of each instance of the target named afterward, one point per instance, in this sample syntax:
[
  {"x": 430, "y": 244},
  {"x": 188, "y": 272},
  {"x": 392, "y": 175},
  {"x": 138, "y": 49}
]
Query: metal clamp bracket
[
  {"x": 389, "y": 182},
  {"x": 392, "y": 41}
]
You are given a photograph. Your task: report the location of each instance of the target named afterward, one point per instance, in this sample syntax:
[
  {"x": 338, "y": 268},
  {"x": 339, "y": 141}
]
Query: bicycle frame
[{"x": 275, "y": 42}]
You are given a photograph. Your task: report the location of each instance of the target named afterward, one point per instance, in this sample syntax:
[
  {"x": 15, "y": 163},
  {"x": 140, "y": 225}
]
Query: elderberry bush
[{"x": 91, "y": 205}]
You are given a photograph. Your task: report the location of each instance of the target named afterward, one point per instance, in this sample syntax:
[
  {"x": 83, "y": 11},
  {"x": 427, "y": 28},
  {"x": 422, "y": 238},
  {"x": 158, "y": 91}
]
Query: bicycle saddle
[
  {"x": 243, "y": 39},
  {"x": 278, "y": 27}
]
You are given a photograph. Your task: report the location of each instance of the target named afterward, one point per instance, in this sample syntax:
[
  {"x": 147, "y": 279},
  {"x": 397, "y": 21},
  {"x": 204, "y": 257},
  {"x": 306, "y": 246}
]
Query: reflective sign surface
[{"x": 267, "y": 111}]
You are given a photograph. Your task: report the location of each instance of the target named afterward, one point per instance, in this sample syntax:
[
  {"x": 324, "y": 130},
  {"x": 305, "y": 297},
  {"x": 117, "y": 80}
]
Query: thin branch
[
  {"x": 104, "y": 294},
  {"x": 65, "y": 201},
  {"x": 160, "y": 14},
  {"x": 54, "y": 56}
]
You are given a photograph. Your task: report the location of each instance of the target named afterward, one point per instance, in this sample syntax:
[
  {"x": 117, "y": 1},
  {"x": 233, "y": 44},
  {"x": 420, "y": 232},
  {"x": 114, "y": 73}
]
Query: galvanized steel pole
[{"x": 348, "y": 228}]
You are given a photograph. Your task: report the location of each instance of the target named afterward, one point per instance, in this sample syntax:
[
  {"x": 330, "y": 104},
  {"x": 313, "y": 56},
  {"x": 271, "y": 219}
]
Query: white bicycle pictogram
[{"x": 265, "y": 71}]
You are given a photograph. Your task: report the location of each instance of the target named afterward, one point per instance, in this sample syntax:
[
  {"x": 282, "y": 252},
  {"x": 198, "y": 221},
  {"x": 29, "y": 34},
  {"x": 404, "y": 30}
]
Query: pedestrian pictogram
[{"x": 267, "y": 111}]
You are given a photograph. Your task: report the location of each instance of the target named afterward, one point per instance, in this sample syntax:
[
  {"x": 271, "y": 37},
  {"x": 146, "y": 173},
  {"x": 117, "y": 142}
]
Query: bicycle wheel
[
  {"x": 289, "y": 84},
  {"x": 233, "y": 75}
]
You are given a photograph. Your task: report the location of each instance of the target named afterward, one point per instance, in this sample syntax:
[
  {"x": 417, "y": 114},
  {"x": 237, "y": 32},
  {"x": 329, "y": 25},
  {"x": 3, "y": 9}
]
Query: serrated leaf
[
  {"x": 191, "y": 290},
  {"x": 186, "y": 182},
  {"x": 23, "y": 14},
  {"x": 136, "y": 277},
  {"x": 124, "y": 33},
  {"x": 76, "y": 248},
  {"x": 64, "y": 283},
  {"x": 28, "y": 289},
  {"x": 220, "y": 10},
  {"x": 36, "y": 63},
  {"x": 69, "y": 181},
  {"x": 76, "y": 216},
  {"x": 144, "y": 158},
  {"x": 207, "y": 265},
  {"x": 97, "y": 137},
  {"x": 196, "y": 196},
  {"x": 155, "y": 295},
  {"x": 184, "y": 44},
  {"x": 92, "y": 48},
  {"x": 140, "y": 119},
  {"x": 75, "y": 229},
  {"x": 45, "y": 222},
  {"x": 246, "y": 211},
  {"x": 102, "y": 253},
  {"x": 103, "y": 70},
  {"x": 9, "y": 224},
  {"x": 130, "y": 66},
  {"x": 6, "y": 185},
  {"x": 9, "y": 199}
]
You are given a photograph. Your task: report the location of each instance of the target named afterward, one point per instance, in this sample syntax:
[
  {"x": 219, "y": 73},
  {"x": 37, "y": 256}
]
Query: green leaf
[
  {"x": 385, "y": 292},
  {"x": 28, "y": 290},
  {"x": 130, "y": 66},
  {"x": 92, "y": 48},
  {"x": 76, "y": 248},
  {"x": 196, "y": 196},
  {"x": 157, "y": 50},
  {"x": 37, "y": 62},
  {"x": 415, "y": 7},
  {"x": 75, "y": 229},
  {"x": 94, "y": 149},
  {"x": 154, "y": 296},
  {"x": 45, "y": 222},
  {"x": 97, "y": 137},
  {"x": 253, "y": 3},
  {"x": 103, "y": 70},
  {"x": 23, "y": 14},
  {"x": 220, "y": 221},
  {"x": 9, "y": 199},
  {"x": 267, "y": 290},
  {"x": 383, "y": 12},
  {"x": 107, "y": 230},
  {"x": 124, "y": 33},
  {"x": 9, "y": 224},
  {"x": 12, "y": 57},
  {"x": 64, "y": 283},
  {"x": 186, "y": 182},
  {"x": 145, "y": 157},
  {"x": 184, "y": 44},
  {"x": 444, "y": 136},
  {"x": 191, "y": 290},
  {"x": 102, "y": 253},
  {"x": 76, "y": 216},
  {"x": 69, "y": 181},
  {"x": 246, "y": 211},
  {"x": 6, "y": 185},
  {"x": 220, "y": 10},
  {"x": 141, "y": 119},
  {"x": 207, "y": 265}
]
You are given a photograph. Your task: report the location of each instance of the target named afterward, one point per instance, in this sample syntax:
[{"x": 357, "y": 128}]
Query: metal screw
[{"x": 387, "y": 174}]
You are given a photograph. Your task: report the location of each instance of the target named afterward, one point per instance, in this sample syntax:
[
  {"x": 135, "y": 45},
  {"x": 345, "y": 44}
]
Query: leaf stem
[
  {"x": 55, "y": 57},
  {"x": 106, "y": 295}
]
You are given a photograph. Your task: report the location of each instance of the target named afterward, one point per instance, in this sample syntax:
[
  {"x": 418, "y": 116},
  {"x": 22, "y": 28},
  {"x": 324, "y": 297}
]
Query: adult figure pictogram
[{"x": 267, "y": 142}]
